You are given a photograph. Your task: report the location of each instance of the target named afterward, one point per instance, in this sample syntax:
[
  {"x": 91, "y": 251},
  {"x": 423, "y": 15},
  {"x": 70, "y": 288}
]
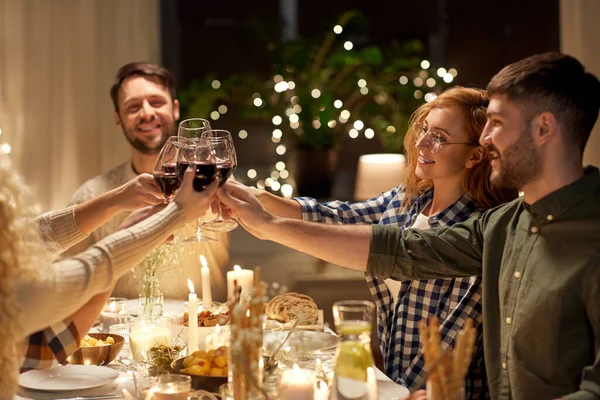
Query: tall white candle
[
  {"x": 206, "y": 291},
  {"x": 192, "y": 319},
  {"x": 243, "y": 277},
  {"x": 297, "y": 384}
]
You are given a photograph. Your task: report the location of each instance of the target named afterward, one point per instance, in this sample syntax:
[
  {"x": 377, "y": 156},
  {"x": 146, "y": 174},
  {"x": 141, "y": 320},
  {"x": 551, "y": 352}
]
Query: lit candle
[
  {"x": 243, "y": 277},
  {"x": 145, "y": 336},
  {"x": 297, "y": 384},
  {"x": 218, "y": 339},
  {"x": 321, "y": 391},
  {"x": 206, "y": 292},
  {"x": 192, "y": 319}
]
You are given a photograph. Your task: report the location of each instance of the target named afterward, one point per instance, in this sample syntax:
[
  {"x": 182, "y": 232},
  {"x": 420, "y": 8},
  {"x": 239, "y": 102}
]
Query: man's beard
[
  {"x": 520, "y": 163},
  {"x": 168, "y": 130}
]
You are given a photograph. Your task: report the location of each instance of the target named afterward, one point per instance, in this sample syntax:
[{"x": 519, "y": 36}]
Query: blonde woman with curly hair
[
  {"x": 447, "y": 181},
  {"x": 36, "y": 292}
]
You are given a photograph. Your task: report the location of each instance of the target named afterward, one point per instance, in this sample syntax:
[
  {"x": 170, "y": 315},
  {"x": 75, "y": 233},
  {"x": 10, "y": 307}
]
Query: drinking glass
[
  {"x": 198, "y": 152},
  {"x": 114, "y": 312},
  {"x": 165, "y": 168},
  {"x": 147, "y": 332},
  {"x": 193, "y": 128},
  {"x": 226, "y": 164},
  {"x": 171, "y": 387}
]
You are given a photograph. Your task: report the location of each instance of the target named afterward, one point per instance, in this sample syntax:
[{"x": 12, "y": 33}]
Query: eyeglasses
[{"x": 433, "y": 141}]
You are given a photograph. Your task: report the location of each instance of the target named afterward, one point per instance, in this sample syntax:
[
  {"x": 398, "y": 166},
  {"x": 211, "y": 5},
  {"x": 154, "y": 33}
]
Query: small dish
[{"x": 98, "y": 355}]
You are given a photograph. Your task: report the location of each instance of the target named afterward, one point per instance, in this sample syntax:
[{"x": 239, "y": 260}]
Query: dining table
[{"x": 125, "y": 377}]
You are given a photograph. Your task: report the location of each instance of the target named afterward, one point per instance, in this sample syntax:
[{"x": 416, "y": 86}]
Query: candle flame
[
  {"x": 191, "y": 286},
  {"x": 203, "y": 261},
  {"x": 248, "y": 313},
  {"x": 237, "y": 268},
  {"x": 296, "y": 368}
]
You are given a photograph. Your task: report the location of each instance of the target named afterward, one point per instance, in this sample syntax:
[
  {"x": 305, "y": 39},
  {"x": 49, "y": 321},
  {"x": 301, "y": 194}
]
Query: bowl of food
[
  {"x": 207, "y": 325},
  {"x": 208, "y": 369},
  {"x": 97, "y": 349}
]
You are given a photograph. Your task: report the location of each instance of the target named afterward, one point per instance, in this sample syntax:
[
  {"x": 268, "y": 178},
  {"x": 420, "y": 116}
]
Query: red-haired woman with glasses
[{"x": 447, "y": 181}]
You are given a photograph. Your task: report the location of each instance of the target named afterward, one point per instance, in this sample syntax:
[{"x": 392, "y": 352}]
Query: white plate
[
  {"x": 389, "y": 390},
  {"x": 67, "y": 377}
]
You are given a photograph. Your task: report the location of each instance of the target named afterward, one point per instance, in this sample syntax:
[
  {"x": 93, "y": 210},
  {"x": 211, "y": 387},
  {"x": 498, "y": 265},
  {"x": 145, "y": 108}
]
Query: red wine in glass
[
  {"x": 170, "y": 168},
  {"x": 225, "y": 170},
  {"x": 205, "y": 174},
  {"x": 168, "y": 183}
]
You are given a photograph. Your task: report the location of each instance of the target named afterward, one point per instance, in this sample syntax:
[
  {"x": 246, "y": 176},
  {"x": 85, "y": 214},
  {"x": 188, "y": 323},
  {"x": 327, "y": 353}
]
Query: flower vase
[{"x": 151, "y": 298}]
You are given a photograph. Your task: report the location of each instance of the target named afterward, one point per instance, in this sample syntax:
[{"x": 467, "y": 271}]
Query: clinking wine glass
[
  {"x": 193, "y": 128},
  {"x": 165, "y": 168},
  {"x": 200, "y": 154},
  {"x": 226, "y": 164}
]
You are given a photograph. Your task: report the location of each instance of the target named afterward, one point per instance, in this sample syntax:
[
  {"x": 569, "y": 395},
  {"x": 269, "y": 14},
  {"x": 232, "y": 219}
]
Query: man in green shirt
[{"x": 539, "y": 255}]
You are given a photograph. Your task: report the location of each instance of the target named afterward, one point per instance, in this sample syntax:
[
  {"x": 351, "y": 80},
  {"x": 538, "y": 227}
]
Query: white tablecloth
[{"x": 174, "y": 308}]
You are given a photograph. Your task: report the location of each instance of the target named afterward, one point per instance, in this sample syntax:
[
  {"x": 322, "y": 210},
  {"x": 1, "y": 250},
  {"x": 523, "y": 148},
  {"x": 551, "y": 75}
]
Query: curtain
[
  {"x": 580, "y": 38},
  {"x": 57, "y": 63}
]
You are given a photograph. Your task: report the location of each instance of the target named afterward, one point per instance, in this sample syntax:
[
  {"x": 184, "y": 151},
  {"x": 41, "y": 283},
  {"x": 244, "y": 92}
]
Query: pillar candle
[
  {"x": 243, "y": 277},
  {"x": 192, "y": 319},
  {"x": 206, "y": 290}
]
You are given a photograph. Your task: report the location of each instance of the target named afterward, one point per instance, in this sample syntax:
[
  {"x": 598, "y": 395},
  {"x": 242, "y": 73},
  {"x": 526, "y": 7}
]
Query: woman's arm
[
  {"x": 67, "y": 285},
  {"x": 139, "y": 192},
  {"x": 331, "y": 212},
  {"x": 64, "y": 228},
  {"x": 279, "y": 206}
]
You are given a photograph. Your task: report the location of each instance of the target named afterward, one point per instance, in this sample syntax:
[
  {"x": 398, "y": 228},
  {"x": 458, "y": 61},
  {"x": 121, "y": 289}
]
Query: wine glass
[
  {"x": 226, "y": 164},
  {"x": 198, "y": 152},
  {"x": 193, "y": 128},
  {"x": 165, "y": 168}
]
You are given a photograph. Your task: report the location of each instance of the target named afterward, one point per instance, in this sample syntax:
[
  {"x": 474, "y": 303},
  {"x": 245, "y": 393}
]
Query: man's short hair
[
  {"x": 556, "y": 83},
  {"x": 144, "y": 69}
]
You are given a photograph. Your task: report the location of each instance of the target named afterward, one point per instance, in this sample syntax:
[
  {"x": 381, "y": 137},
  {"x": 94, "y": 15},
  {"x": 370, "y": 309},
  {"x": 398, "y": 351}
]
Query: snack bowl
[
  {"x": 207, "y": 382},
  {"x": 98, "y": 355},
  {"x": 200, "y": 382},
  {"x": 180, "y": 330}
]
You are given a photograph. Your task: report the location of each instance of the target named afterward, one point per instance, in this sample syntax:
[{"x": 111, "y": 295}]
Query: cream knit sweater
[{"x": 64, "y": 286}]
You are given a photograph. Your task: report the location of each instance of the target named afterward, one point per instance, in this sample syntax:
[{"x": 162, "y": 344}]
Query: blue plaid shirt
[{"x": 452, "y": 300}]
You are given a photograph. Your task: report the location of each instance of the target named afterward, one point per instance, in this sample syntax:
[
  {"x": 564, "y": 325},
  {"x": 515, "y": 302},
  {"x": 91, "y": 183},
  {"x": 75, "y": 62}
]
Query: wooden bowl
[
  {"x": 208, "y": 383},
  {"x": 98, "y": 355}
]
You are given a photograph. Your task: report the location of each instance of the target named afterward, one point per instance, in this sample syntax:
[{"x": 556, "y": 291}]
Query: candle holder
[
  {"x": 148, "y": 332},
  {"x": 171, "y": 387},
  {"x": 297, "y": 384},
  {"x": 114, "y": 312}
]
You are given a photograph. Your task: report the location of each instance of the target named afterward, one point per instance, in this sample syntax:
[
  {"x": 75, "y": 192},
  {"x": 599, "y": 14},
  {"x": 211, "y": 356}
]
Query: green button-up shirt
[{"x": 541, "y": 286}]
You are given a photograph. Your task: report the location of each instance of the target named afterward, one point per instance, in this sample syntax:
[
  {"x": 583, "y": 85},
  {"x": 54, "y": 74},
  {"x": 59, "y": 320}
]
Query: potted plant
[{"x": 319, "y": 93}]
